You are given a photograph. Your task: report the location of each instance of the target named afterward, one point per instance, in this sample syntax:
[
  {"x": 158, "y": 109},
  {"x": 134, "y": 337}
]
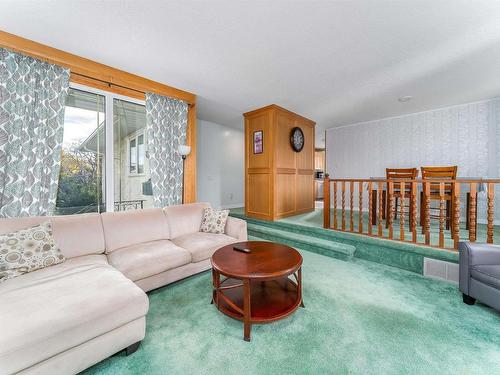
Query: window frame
[
  {"x": 135, "y": 136},
  {"x": 109, "y": 180}
]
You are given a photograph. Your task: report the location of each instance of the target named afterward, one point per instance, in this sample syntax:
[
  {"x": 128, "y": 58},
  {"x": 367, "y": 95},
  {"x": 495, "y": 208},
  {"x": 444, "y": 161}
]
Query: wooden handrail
[{"x": 441, "y": 230}]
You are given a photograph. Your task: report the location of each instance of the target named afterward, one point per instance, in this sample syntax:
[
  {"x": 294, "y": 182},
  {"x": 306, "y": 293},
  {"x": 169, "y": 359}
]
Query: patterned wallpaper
[{"x": 467, "y": 135}]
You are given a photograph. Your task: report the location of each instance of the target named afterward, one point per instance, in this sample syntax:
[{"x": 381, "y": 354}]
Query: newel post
[{"x": 326, "y": 202}]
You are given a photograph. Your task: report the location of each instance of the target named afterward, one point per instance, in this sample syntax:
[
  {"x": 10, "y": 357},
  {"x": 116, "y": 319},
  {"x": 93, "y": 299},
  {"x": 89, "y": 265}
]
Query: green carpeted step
[
  {"x": 314, "y": 244},
  {"x": 404, "y": 255}
]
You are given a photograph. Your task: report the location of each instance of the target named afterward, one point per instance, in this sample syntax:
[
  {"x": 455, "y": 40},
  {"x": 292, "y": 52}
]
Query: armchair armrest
[
  {"x": 236, "y": 228},
  {"x": 479, "y": 253},
  {"x": 472, "y": 254}
]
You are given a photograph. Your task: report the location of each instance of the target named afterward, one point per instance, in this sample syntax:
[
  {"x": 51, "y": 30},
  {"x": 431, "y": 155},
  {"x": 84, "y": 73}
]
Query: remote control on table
[{"x": 242, "y": 249}]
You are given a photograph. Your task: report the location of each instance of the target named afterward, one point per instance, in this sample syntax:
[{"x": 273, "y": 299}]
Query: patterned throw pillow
[
  {"x": 28, "y": 250},
  {"x": 214, "y": 221}
]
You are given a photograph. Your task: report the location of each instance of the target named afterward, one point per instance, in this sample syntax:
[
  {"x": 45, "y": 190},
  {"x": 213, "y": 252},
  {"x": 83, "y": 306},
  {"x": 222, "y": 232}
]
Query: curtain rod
[{"x": 110, "y": 84}]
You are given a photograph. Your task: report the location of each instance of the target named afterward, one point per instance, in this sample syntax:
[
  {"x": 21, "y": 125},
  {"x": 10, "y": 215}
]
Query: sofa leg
[
  {"x": 468, "y": 299},
  {"x": 132, "y": 348}
]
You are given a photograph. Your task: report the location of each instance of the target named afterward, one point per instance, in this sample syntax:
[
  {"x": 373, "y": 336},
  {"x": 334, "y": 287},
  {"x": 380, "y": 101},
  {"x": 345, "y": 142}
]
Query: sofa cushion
[
  {"x": 236, "y": 228},
  {"x": 54, "y": 309},
  {"x": 202, "y": 245},
  {"x": 488, "y": 274},
  {"x": 28, "y": 250},
  {"x": 70, "y": 265},
  {"x": 68, "y": 232},
  {"x": 149, "y": 258},
  {"x": 127, "y": 228},
  {"x": 185, "y": 218}
]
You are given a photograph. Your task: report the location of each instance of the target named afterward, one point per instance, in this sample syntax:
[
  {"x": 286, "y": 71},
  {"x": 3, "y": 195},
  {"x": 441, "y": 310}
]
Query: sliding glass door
[
  {"x": 104, "y": 164},
  {"x": 81, "y": 182},
  {"x": 132, "y": 188}
]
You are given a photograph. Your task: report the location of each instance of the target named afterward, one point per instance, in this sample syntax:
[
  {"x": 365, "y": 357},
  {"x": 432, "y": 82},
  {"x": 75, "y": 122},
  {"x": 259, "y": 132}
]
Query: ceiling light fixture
[{"x": 404, "y": 99}]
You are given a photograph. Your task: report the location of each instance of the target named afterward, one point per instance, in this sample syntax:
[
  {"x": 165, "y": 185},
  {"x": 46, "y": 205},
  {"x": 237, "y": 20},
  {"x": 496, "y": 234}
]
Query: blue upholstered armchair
[{"x": 480, "y": 273}]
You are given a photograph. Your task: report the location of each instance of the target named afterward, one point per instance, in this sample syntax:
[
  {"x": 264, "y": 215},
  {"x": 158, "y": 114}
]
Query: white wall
[
  {"x": 220, "y": 165},
  {"x": 466, "y": 135}
]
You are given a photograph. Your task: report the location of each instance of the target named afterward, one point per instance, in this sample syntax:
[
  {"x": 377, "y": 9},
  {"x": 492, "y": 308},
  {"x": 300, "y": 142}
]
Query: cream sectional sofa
[{"x": 67, "y": 317}]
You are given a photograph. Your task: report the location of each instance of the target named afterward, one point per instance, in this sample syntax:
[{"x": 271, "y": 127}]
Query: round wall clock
[{"x": 297, "y": 139}]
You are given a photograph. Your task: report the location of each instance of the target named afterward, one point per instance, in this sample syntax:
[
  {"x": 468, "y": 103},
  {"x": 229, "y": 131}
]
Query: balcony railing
[
  {"x": 119, "y": 206},
  {"x": 129, "y": 205},
  {"x": 371, "y": 209}
]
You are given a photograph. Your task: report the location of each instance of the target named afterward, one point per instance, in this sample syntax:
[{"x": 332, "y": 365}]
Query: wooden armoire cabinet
[{"x": 279, "y": 181}]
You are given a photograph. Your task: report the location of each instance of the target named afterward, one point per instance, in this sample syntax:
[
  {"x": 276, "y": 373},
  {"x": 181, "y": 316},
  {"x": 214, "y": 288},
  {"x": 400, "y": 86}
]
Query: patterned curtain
[
  {"x": 166, "y": 124},
  {"x": 32, "y": 100}
]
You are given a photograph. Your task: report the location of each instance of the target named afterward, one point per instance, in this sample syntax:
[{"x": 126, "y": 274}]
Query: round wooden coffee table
[{"x": 256, "y": 287}]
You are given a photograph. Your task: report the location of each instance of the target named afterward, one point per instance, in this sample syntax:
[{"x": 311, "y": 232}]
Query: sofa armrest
[
  {"x": 472, "y": 254},
  {"x": 236, "y": 228}
]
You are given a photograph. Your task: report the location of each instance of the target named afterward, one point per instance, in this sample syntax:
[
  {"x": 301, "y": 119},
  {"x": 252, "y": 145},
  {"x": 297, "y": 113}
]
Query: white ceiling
[{"x": 336, "y": 62}]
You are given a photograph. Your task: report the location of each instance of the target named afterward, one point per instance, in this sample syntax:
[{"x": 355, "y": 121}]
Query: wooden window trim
[
  {"x": 135, "y": 136},
  {"x": 90, "y": 73}
]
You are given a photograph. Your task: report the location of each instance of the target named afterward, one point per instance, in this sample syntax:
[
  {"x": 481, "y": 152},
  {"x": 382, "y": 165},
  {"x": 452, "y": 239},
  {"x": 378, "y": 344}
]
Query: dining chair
[
  {"x": 401, "y": 173},
  {"x": 438, "y": 173}
]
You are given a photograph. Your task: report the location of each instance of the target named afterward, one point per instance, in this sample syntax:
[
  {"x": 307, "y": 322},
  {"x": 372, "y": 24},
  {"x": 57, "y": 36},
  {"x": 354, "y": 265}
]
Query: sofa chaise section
[
  {"x": 54, "y": 320},
  {"x": 64, "y": 306}
]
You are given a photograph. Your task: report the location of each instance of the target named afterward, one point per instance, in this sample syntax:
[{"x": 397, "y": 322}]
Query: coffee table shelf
[
  {"x": 257, "y": 287},
  {"x": 270, "y": 300}
]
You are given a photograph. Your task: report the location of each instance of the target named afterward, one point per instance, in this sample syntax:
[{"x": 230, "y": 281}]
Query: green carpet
[{"x": 360, "y": 318}]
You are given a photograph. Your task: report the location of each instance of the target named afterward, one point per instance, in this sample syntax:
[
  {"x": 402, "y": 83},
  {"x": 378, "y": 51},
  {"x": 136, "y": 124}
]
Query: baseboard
[{"x": 229, "y": 206}]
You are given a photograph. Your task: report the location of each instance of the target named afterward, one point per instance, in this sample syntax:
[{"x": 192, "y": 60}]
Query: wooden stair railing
[{"x": 432, "y": 234}]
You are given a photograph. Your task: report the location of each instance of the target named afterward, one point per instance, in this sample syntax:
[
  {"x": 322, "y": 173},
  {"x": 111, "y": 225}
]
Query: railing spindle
[
  {"x": 472, "y": 212},
  {"x": 390, "y": 212},
  {"x": 370, "y": 207},
  {"x": 402, "y": 187},
  {"x": 351, "y": 206},
  {"x": 343, "y": 205},
  {"x": 442, "y": 205},
  {"x": 413, "y": 204},
  {"x": 335, "y": 224},
  {"x": 456, "y": 214},
  {"x": 360, "y": 207},
  {"x": 326, "y": 202},
  {"x": 427, "y": 213},
  {"x": 380, "y": 208},
  {"x": 490, "y": 214}
]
